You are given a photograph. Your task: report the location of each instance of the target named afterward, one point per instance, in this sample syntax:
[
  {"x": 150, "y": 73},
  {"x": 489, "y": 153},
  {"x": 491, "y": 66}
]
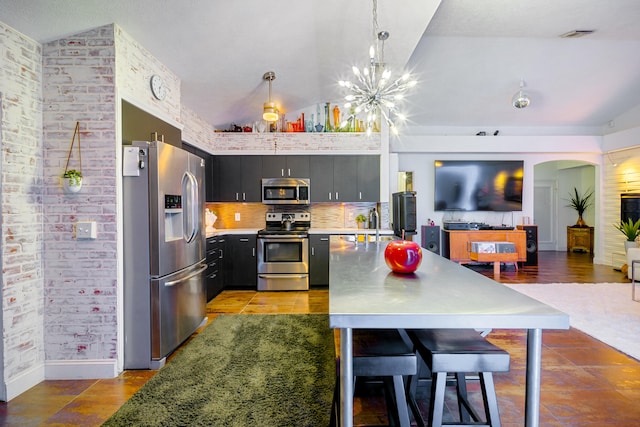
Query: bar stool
[
  {"x": 381, "y": 353},
  {"x": 457, "y": 351}
]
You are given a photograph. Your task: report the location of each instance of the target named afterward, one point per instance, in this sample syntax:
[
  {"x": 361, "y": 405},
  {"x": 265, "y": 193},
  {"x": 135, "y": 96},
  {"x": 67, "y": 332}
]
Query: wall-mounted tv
[{"x": 478, "y": 185}]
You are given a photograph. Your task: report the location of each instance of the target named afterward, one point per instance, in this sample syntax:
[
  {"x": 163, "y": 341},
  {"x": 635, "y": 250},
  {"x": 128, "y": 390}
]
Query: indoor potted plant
[
  {"x": 580, "y": 202},
  {"x": 631, "y": 230},
  {"x": 72, "y": 180},
  {"x": 361, "y": 219}
]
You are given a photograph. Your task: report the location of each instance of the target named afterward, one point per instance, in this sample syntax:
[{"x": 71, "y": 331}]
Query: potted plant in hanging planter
[
  {"x": 631, "y": 231},
  {"x": 72, "y": 180},
  {"x": 580, "y": 202}
]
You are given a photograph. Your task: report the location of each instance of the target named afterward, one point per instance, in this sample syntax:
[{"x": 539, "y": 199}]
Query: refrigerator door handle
[
  {"x": 190, "y": 208},
  {"x": 202, "y": 268}
]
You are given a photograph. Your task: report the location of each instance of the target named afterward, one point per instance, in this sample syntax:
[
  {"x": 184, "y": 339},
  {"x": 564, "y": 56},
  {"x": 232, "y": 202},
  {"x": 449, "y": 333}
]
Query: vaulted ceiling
[{"x": 469, "y": 55}]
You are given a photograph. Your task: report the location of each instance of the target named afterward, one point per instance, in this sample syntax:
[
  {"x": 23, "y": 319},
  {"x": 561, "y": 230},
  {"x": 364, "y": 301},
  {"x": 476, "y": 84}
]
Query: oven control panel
[{"x": 291, "y": 216}]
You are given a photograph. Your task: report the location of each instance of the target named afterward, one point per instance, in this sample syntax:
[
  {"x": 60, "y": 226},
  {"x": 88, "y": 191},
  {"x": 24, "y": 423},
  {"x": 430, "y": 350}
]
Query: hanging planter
[
  {"x": 72, "y": 181},
  {"x": 72, "y": 178}
]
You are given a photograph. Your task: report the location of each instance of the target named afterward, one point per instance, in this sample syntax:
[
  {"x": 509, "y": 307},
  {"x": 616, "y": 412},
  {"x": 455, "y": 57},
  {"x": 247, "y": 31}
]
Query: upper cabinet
[
  {"x": 351, "y": 178},
  {"x": 285, "y": 166},
  {"x": 348, "y": 178},
  {"x": 237, "y": 178}
]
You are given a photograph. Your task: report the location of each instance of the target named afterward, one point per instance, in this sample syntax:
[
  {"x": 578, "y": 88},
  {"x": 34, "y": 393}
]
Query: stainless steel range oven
[{"x": 283, "y": 252}]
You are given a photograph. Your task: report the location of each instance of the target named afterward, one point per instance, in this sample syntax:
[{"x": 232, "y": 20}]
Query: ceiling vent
[{"x": 576, "y": 33}]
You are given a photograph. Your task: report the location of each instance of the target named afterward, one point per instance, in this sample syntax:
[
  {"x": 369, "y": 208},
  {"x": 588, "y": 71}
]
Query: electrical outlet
[
  {"x": 86, "y": 230},
  {"x": 237, "y": 216}
]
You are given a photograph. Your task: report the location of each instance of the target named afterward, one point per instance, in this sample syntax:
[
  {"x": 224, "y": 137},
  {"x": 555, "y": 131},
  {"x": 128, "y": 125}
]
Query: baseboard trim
[
  {"x": 24, "y": 381},
  {"x": 80, "y": 369}
]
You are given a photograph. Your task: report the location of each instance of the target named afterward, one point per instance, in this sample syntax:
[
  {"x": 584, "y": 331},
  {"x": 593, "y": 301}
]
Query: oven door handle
[
  {"x": 284, "y": 239},
  {"x": 282, "y": 276}
]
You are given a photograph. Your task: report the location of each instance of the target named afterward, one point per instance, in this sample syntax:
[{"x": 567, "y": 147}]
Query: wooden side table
[{"x": 580, "y": 239}]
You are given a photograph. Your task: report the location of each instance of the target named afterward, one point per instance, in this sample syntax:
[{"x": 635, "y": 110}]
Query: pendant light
[
  {"x": 270, "y": 112},
  {"x": 521, "y": 99}
]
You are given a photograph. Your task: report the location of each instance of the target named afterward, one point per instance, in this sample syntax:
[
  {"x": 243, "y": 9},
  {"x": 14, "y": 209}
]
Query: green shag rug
[{"x": 243, "y": 370}]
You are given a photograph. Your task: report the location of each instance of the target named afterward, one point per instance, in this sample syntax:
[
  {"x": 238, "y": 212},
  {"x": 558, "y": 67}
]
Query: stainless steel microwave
[{"x": 285, "y": 191}]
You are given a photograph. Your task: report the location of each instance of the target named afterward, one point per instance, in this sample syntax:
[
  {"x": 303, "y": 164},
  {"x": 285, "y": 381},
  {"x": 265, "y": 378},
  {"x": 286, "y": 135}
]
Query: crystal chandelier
[{"x": 374, "y": 93}]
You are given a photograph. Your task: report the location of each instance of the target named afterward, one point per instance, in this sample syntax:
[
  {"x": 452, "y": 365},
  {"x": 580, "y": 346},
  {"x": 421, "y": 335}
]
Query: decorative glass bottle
[
  {"x": 336, "y": 118},
  {"x": 327, "y": 119}
]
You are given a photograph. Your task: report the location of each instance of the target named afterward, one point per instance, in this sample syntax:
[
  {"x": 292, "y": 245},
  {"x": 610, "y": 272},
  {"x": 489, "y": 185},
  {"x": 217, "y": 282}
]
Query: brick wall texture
[
  {"x": 80, "y": 275},
  {"x": 21, "y": 202}
]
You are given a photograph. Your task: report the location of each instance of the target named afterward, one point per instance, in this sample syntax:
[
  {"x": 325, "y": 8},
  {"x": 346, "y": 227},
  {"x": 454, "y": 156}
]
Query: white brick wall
[
  {"x": 21, "y": 199},
  {"x": 624, "y": 177},
  {"x": 80, "y": 275}
]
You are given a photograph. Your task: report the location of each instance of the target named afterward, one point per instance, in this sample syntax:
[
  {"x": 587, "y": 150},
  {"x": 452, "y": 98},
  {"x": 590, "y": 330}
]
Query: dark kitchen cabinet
[
  {"x": 213, "y": 275},
  {"x": 321, "y": 176},
  {"x": 240, "y": 263},
  {"x": 209, "y": 168},
  {"x": 285, "y": 166},
  {"x": 318, "y": 260},
  {"x": 345, "y": 178},
  {"x": 368, "y": 178},
  {"x": 237, "y": 178}
]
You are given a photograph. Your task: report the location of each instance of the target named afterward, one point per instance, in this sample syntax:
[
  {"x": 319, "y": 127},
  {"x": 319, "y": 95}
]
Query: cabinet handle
[
  {"x": 324, "y": 239},
  {"x": 244, "y": 197},
  {"x": 244, "y": 239},
  {"x": 221, "y": 254},
  {"x": 360, "y": 195},
  {"x": 313, "y": 251},
  {"x": 253, "y": 252},
  {"x": 237, "y": 196},
  {"x": 329, "y": 196},
  {"x": 289, "y": 172},
  {"x": 337, "y": 195},
  {"x": 282, "y": 172}
]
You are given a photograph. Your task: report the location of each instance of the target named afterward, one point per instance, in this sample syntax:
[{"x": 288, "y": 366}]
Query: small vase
[
  {"x": 71, "y": 187},
  {"x": 580, "y": 222}
]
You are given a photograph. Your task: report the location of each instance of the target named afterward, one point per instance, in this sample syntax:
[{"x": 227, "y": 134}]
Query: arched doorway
[{"x": 553, "y": 183}]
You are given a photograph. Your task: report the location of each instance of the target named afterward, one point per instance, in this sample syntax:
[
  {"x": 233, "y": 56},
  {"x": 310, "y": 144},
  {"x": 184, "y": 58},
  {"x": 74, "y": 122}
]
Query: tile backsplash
[{"x": 323, "y": 215}]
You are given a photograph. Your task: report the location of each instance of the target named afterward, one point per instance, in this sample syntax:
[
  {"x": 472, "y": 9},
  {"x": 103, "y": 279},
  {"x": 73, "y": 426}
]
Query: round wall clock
[{"x": 158, "y": 89}]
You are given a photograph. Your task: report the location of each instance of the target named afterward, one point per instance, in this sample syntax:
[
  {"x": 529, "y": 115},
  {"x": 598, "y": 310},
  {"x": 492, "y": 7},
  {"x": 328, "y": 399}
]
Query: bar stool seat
[
  {"x": 458, "y": 351},
  {"x": 381, "y": 353}
]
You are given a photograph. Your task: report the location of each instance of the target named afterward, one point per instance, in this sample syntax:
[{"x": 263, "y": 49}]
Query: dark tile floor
[{"x": 584, "y": 382}]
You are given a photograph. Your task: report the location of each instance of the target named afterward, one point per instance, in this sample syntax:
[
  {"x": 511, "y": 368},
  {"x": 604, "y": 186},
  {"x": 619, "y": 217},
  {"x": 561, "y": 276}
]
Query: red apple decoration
[{"x": 403, "y": 256}]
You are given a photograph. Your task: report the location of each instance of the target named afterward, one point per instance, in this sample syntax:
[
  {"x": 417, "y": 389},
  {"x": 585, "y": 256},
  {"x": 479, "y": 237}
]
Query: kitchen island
[{"x": 364, "y": 293}]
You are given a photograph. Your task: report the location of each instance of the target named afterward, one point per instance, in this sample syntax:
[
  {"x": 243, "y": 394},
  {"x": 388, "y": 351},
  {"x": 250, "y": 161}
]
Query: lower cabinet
[
  {"x": 318, "y": 260},
  {"x": 240, "y": 263},
  {"x": 213, "y": 275}
]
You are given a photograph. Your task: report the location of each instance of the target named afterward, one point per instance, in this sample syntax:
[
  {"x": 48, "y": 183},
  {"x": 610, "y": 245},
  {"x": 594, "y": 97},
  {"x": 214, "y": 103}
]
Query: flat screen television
[{"x": 478, "y": 185}]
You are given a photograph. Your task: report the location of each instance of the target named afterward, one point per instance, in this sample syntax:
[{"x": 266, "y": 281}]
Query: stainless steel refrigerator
[{"x": 164, "y": 250}]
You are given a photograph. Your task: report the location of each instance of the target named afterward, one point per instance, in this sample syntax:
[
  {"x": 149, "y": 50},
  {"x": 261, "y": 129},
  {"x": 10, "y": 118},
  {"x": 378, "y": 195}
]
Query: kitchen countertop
[{"x": 347, "y": 231}]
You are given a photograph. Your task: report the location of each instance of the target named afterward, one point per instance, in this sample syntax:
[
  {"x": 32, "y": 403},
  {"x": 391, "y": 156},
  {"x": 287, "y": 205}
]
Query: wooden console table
[
  {"x": 456, "y": 243},
  {"x": 580, "y": 239}
]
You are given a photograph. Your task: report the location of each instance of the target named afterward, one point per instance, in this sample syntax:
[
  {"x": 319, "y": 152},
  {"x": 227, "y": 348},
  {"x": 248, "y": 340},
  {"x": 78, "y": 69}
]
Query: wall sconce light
[
  {"x": 521, "y": 99},
  {"x": 270, "y": 112}
]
